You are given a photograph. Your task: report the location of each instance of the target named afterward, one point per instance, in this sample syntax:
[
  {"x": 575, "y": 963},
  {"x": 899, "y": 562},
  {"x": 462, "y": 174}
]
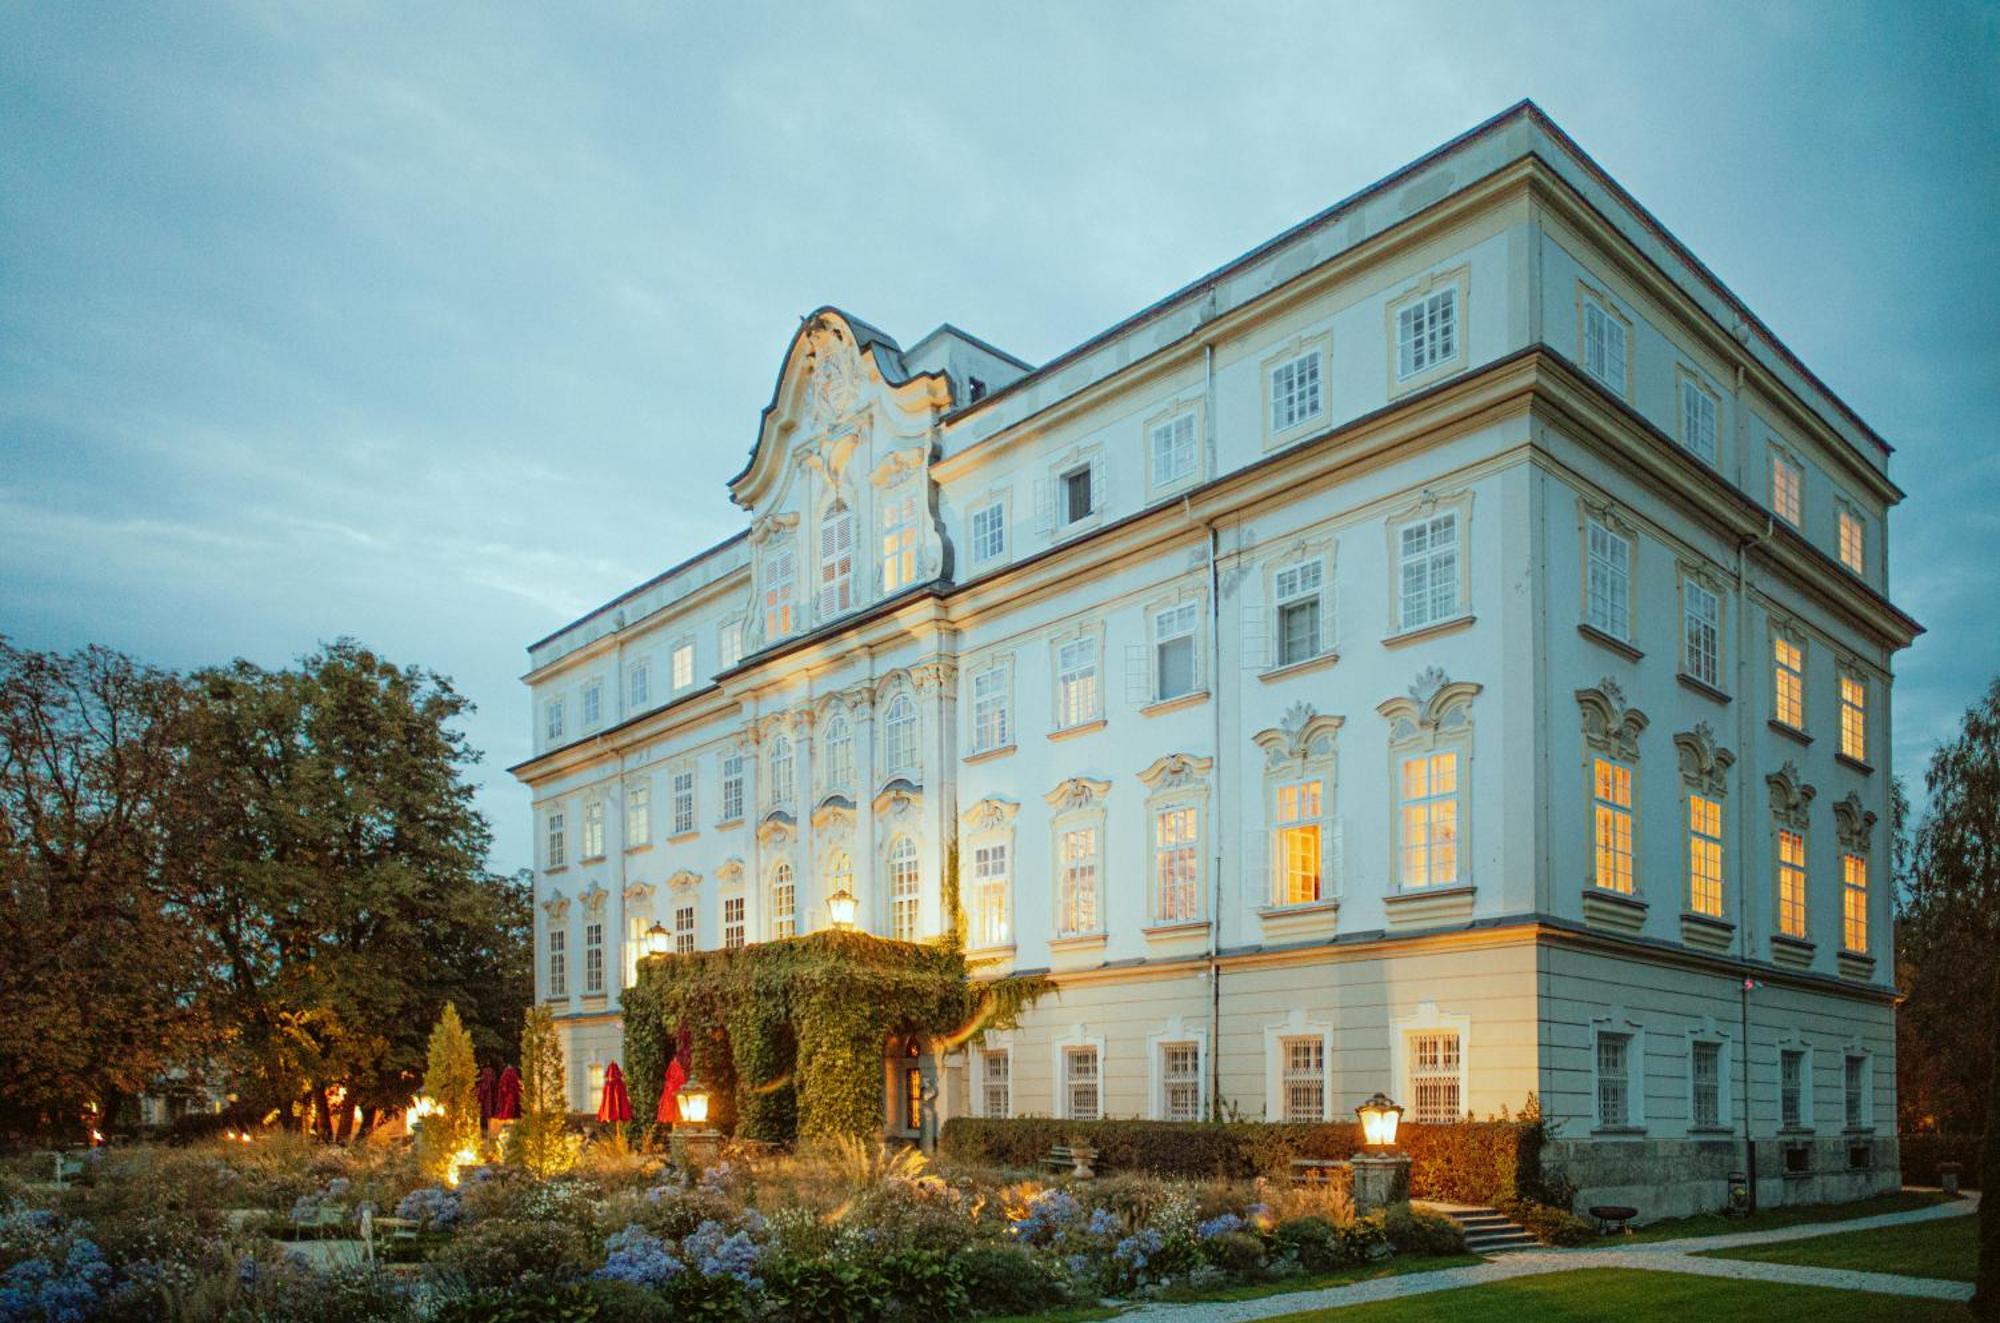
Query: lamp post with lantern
[
  {"x": 701, "y": 1145},
  {"x": 843, "y": 908},
  {"x": 658, "y": 940},
  {"x": 1381, "y": 1173}
]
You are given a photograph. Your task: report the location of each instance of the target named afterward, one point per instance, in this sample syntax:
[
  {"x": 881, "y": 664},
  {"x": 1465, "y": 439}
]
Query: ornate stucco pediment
[
  {"x": 638, "y": 895},
  {"x": 1791, "y": 797},
  {"x": 556, "y": 906},
  {"x": 1854, "y": 824},
  {"x": 1609, "y": 726},
  {"x": 730, "y": 871},
  {"x": 683, "y": 880},
  {"x": 777, "y": 828},
  {"x": 835, "y": 813},
  {"x": 989, "y": 814},
  {"x": 899, "y": 799},
  {"x": 1704, "y": 763},
  {"x": 1078, "y": 793},
  {"x": 1176, "y": 771},
  {"x": 1303, "y": 735},
  {"x": 1434, "y": 704},
  {"x": 592, "y": 899}
]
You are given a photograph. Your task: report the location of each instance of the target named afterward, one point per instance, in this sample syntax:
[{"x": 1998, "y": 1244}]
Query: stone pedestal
[
  {"x": 697, "y": 1150},
  {"x": 1381, "y": 1180}
]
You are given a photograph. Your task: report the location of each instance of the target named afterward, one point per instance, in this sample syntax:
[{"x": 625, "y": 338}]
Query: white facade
[{"x": 1444, "y": 651}]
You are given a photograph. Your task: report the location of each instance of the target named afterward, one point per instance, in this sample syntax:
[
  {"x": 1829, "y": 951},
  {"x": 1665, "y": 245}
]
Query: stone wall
[{"x": 1677, "y": 1177}]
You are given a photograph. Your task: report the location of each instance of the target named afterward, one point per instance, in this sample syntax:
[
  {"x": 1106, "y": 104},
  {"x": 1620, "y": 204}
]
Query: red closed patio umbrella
[
  {"x": 507, "y": 1096},
  {"x": 487, "y": 1090},
  {"x": 615, "y": 1107}
]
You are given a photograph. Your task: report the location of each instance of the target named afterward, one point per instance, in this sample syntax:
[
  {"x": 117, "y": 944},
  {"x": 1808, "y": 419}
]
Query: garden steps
[{"x": 1487, "y": 1230}]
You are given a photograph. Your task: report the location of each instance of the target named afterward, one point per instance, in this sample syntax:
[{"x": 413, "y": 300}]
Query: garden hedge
[
  {"x": 1921, "y": 1155},
  {"x": 1470, "y": 1162}
]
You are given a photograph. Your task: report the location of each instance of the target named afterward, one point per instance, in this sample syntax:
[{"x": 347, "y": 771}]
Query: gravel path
[{"x": 1659, "y": 1256}]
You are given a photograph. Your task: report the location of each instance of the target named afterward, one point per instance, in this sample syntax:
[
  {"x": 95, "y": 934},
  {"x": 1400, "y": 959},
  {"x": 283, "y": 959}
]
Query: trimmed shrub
[
  {"x": 1551, "y": 1226},
  {"x": 1320, "y": 1246},
  {"x": 1420, "y": 1231},
  {"x": 1008, "y": 1281}
]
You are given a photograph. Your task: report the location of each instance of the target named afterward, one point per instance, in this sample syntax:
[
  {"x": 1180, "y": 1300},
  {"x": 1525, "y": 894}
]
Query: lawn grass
[
  {"x": 1948, "y": 1248},
  {"x": 1772, "y": 1219},
  {"x": 1081, "y": 1314},
  {"x": 1393, "y": 1267},
  {"x": 1632, "y": 1295}
]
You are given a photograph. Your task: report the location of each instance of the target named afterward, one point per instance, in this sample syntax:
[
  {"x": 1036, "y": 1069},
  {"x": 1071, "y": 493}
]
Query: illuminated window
[
  {"x": 996, "y": 1077},
  {"x": 1299, "y": 843},
  {"x": 1295, "y": 394},
  {"x": 836, "y": 560},
  {"x": 839, "y": 752},
  {"x": 593, "y": 958},
  {"x": 1854, "y": 902},
  {"x": 1428, "y": 570},
  {"x": 1430, "y": 820},
  {"x": 732, "y": 922},
  {"x": 1303, "y": 1084},
  {"x": 558, "y": 963},
  {"x": 989, "y": 895},
  {"x": 1296, "y": 590},
  {"x": 903, "y": 890},
  {"x": 1076, "y": 683},
  {"x": 1611, "y": 794},
  {"x": 1854, "y": 718},
  {"x": 1173, "y": 450},
  {"x": 1853, "y": 539},
  {"x": 899, "y": 537},
  {"x": 558, "y": 841},
  {"x": 1705, "y": 856},
  {"x": 1077, "y": 901},
  {"x": 1697, "y": 420},
  {"x": 593, "y": 829},
  {"x": 1701, "y": 633},
  {"x": 899, "y": 735},
  {"x": 784, "y": 902},
  {"x": 1604, "y": 345},
  {"x": 780, "y": 576},
  {"x": 638, "y": 814},
  {"x": 1434, "y": 1079},
  {"x": 1427, "y": 333},
  {"x": 1081, "y": 1100},
  {"x": 1609, "y": 596},
  {"x": 1788, "y": 675},
  {"x": 684, "y": 930},
  {"x": 1788, "y": 483},
  {"x": 1176, "y": 896},
  {"x": 1180, "y": 1081},
  {"x": 1791, "y": 884},
  {"x": 732, "y": 787},
  {"x": 990, "y": 727},
  {"x": 683, "y": 666}
]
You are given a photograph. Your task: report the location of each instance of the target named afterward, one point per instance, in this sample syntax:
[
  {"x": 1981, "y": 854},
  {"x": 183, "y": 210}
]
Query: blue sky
[{"x": 439, "y": 324}]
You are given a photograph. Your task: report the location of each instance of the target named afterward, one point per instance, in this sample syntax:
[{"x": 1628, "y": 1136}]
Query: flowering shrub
[
  {"x": 1048, "y": 1218},
  {"x": 639, "y": 1258},
  {"x": 432, "y": 1207}
]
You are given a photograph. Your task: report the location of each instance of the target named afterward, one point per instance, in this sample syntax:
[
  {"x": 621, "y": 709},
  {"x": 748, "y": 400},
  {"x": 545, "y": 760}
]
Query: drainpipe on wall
[
  {"x": 1222, "y": 766},
  {"x": 1743, "y": 547}
]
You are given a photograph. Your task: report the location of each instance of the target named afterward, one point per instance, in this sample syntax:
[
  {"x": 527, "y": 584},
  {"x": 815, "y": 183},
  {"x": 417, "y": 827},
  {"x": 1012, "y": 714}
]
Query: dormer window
[
  {"x": 780, "y": 571},
  {"x": 975, "y": 390},
  {"x": 836, "y": 561}
]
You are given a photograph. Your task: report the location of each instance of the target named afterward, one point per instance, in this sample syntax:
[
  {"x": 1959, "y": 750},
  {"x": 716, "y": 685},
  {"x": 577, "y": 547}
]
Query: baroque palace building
[{"x": 1445, "y": 650}]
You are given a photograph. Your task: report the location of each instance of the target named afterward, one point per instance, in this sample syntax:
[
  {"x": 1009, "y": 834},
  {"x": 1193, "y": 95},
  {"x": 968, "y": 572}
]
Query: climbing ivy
[{"x": 789, "y": 1034}]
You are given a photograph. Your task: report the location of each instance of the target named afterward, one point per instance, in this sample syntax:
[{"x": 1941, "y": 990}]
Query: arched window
[
  {"x": 781, "y": 771},
  {"x": 903, "y": 890},
  {"x": 899, "y": 735},
  {"x": 839, "y": 753},
  {"x": 784, "y": 902},
  {"x": 836, "y": 560}
]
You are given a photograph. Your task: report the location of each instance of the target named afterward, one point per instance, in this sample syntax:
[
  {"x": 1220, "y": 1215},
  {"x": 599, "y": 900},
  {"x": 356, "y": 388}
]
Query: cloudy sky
[{"x": 439, "y": 324}]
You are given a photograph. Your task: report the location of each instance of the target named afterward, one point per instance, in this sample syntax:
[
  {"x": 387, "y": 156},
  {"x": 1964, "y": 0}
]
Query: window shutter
[
  {"x": 1614, "y": 351},
  {"x": 1255, "y": 639},
  {"x": 1138, "y": 675},
  {"x": 1258, "y": 847},
  {"x": 1045, "y": 506},
  {"x": 1100, "y": 490}
]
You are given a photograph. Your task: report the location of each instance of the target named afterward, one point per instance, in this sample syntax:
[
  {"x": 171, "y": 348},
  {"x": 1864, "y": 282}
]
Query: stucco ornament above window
[
  {"x": 1434, "y": 703},
  {"x": 1078, "y": 792},
  {"x": 989, "y": 814},
  {"x": 1704, "y": 763},
  {"x": 1303, "y": 734},
  {"x": 1609, "y": 726},
  {"x": 1791, "y": 797},
  {"x": 556, "y": 906},
  {"x": 1853, "y": 824},
  {"x": 592, "y": 899}
]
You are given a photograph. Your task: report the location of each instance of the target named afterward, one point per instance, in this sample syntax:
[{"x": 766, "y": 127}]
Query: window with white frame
[
  {"x": 1608, "y": 593},
  {"x": 1296, "y": 592},
  {"x": 638, "y": 814},
  {"x": 989, "y": 532},
  {"x": 1791, "y": 883},
  {"x": 558, "y": 962},
  {"x": 1081, "y": 1098},
  {"x": 1429, "y": 819},
  {"x": 899, "y": 735},
  {"x": 557, "y": 848},
  {"x": 639, "y": 685},
  {"x": 1173, "y": 450},
  {"x": 991, "y": 728},
  {"x": 1427, "y": 333},
  {"x": 1302, "y": 1085},
  {"x": 1295, "y": 391},
  {"x": 1614, "y": 1079},
  {"x": 1854, "y": 902},
  {"x": 683, "y": 662},
  {"x": 1792, "y": 1089},
  {"x": 1788, "y": 486},
  {"x": 1854, "y": 718},
  {"x": 1604, "y": 345},
  {"x": 1853, "y": 538},
  {"x": 1180, "y": 1081},
  {"x": 1428, "y": 570},
  {"x": 996, "y": 1083},
  {"x": 729, "y": 643},
  {"x": 1611, "y": 817},
  {"x": 732, "y": 786},
  {"x": 1854, "y": 1081},
  {"x": 683, "y": 801},
  {"x": 593, "y": 704},
  {"x": 781, "y": 572},
  {"x": 1701, "y": 632},
  {"x": 1174, "y": 650},
  {"x": 1698, "y": 422},
  {"x": 732, "y": 922},
  {"x": 1076, "y": 495},
  {"x": 1176, "y": 889},
  {"x": 784, "y": 902},
  {"x": 1705, "y": 855},
  {"x": 553, "y": 718},
  {"x": 903, "y": 889},
  {"x": 899, "y": 536},
  {"x": 593, "y": 829},
  {"x": 1706, "y": 1095},
  {"x": 1435, "y": 1069},
  {"x": 1076, "y": 682},
  {"x": 684, "y": 930},
  {"x": 990, "y": 889},
  {"x": 1300, "y": 842},
  {"x": 836, "y": 560},
  {"x": 593, "y": 958},
  {"x": 1077, "y": 907},
  {"x": 1788, "y": 680},
  {"x": 838, "y": 874},
  {"x": 839, "y": 750},
  {"x": 781, "y": 770}
]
